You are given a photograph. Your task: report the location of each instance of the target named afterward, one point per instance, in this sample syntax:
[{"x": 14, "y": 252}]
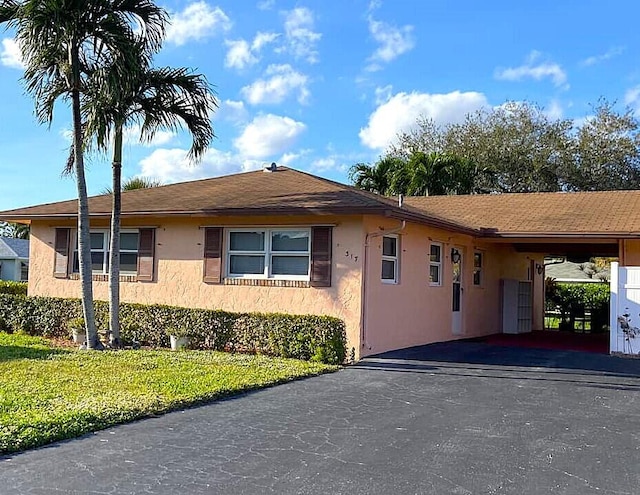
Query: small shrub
[{"x": 11, "y": 287}]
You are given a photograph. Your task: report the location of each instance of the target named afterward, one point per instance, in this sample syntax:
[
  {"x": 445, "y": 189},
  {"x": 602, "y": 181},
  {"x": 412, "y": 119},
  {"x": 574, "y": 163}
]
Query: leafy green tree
[
  {"x": 523, "y": 148},
  {"x": 155, "y": 99},
  {"x": 517, "y": 147},
  {"x": 607, "y": 151},
  {"x": 15, "y": 230},
  {"x": 61, "y": 42}
]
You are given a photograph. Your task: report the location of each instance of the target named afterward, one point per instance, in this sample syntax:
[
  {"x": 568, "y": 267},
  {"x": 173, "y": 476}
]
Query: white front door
[{"x": 458, "y": 291}]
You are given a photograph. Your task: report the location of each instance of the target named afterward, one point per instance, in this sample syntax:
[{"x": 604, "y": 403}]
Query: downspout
[{"x": 365, "y": 263}]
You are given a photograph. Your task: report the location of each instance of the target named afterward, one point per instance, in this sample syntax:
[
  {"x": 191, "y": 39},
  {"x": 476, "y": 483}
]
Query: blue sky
[{"x": 320, "y": 86}]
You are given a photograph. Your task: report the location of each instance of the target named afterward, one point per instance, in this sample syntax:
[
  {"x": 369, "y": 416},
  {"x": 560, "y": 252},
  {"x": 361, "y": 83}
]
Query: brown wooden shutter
[
  {"x": 213, "y": 255},
  {"x": 146, "y": 251},
  {"x": 321, "y": 256},
  {"x": 61, "y": 263}
]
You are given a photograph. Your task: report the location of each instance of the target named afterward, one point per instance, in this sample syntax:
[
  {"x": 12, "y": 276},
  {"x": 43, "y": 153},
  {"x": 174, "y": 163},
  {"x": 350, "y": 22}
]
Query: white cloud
[
  {"x": 281, "y": 81},
  {"x": 534, "y": 68},
  {"x": 196, "y": 22},
  {"x": 554, "y": 110},
  {"x": 266, "y": 4},
  {"x": 383, "y": 94},
  {"x": 400, "y": 112},
  {"x": 632, "y": 98},
  {"x": 609, "y": 54},
  {"x": 262, "y": 39},
  {"x": 132, "y": 136},
  {"x": 392, "y": 42},
  {"x": 10, "y": 54},
  {"x": 172, "y": 165},
  {"x": 300, "y": 37},
  {"x": 232, "y": 111},
  {"x": 268, "y": 135},
  {"x": 241, "y": 54}
]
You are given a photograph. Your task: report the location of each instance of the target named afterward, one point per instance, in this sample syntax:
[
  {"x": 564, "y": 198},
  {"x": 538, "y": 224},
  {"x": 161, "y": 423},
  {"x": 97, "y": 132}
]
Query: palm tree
[
  {"x": 61, "y": 41},
  {"x": 134, "y": 183},
  {"x": 153, "y": 98},
  {"x": 376, "y": 178}
]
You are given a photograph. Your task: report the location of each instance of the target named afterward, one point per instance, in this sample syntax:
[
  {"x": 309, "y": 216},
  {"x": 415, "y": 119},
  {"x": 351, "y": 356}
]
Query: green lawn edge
[{"x": 49, "y": 394}]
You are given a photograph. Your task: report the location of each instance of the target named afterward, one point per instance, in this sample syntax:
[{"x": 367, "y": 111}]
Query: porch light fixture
[
  {"x": 539, "y": 268},
  {"x": 455, "y": 255}
]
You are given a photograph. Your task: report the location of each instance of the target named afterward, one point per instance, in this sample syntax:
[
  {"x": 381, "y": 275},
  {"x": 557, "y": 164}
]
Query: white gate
[{"x": 625, "y": 310}]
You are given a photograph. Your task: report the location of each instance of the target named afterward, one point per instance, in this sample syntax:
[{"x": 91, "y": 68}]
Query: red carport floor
[{"x": 549, "y": 339}]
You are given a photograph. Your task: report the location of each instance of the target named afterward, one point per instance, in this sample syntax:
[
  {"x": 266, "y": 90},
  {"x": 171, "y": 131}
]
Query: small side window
[
  {"x": 435, "y": 265},
  {"x": 390, "y": 259},
  {"x": 477, "y": 268}
]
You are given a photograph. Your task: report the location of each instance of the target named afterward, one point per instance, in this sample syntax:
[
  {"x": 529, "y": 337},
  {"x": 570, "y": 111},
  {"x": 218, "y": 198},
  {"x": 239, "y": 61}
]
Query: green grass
[{"x": 49, "y": 393}]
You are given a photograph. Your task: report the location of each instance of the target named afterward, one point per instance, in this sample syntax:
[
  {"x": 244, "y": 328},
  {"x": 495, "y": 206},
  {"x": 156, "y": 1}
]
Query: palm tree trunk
[
  {"x": 114, "y": 247},
  {"x": 84, "y": 237}
]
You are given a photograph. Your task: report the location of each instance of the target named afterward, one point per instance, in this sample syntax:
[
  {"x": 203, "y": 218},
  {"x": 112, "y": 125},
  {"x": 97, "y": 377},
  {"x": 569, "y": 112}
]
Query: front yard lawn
[{"x": 50, "y": 393}]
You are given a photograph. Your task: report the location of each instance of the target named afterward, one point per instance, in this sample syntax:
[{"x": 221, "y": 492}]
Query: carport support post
[{"x": 613, "y": 308}]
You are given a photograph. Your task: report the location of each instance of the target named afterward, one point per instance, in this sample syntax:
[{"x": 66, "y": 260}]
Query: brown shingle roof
[
  {"x": 284, "y": 191},
  {"x": 576, "y": 213},
  {"x": 289, "y": 192}
]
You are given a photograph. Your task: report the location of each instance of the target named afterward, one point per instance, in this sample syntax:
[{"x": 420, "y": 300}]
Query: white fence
[{"x": 625, "y": 310}]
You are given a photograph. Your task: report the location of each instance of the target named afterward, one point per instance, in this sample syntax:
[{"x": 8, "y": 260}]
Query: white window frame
[
  {"x": 105, "y": 250},
  {"x": 479, "y": 269},
  {"x": 437, "y": 264},
  {"x": 268, "y": 253},
  {"x": 395, "y": 259}
]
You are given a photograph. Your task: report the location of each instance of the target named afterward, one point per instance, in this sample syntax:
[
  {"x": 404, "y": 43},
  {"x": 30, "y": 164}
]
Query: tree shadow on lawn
[{"x": 12, "y": 352}]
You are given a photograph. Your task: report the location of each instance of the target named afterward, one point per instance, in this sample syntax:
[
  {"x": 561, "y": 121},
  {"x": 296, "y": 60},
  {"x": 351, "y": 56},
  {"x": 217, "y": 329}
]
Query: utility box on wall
[{"x": 517, "y": 306}]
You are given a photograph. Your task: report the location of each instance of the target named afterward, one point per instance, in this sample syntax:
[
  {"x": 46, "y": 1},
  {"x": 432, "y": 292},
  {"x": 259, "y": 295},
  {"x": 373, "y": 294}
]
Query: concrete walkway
[{"x": 459, "y": 418}]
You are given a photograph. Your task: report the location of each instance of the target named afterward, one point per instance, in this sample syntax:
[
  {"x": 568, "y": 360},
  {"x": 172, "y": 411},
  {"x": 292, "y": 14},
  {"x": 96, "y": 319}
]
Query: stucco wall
[
  {"x": 630, "y": 252},
  {"x": 179, "y": 272},
  {"x": 409, "y": 313},
  {"x": 412, "y": 312}
]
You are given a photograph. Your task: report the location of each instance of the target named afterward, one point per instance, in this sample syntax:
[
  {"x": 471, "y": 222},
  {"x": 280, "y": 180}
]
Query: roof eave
[{"x": 559, "y": 235}]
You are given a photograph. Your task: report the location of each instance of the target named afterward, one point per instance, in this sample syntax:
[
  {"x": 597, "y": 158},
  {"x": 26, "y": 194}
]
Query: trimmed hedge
[
  {"x": 572, "y": 300},
  {"x": 11, "y": 287},
  {"x": 308, "y": 337}
]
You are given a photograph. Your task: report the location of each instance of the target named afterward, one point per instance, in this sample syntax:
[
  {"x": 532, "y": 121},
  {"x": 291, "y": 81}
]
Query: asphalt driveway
[{"x": 456, "y": 418}]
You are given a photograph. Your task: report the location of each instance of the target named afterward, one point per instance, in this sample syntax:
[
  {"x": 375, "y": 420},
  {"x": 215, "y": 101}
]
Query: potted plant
[
  {"x": 78, "y": 331},
  {"x": 179, "y": 337}
]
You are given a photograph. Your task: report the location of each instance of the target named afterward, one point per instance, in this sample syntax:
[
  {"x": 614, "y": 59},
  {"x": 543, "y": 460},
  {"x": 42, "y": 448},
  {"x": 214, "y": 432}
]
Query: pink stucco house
[{"x": 399, "y": 273}]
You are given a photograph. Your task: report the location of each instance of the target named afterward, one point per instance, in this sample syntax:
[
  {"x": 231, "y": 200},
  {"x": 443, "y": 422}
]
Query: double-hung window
[
  {"x": 269, "y": 253},
  {"x": 435, "y": 264},
  {"x": 100, "y": 253},
  {"x": 390, "y": 259}
]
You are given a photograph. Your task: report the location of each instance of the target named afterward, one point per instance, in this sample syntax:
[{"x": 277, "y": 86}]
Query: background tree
[
  {"x": 61, "y": 42},
  {"x": 154, "y": 99},
  {"x": 419, "y": 174},
  {"x": 133, "y": 183},
  {"x": 15, "y": 230},
  {"x": 518, "y": 148},
  {"x": 376, "y": 178},
  {"x": 607, "y": 151}
]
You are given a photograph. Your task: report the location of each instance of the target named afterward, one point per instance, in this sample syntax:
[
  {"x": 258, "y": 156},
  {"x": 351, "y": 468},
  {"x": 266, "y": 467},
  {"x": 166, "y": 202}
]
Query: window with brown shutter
[
  {"x": 213, "y": 255},
  {"x": 146, "y": 251},
  {"x": 321, "y": 256},
  {"x": 61, "y": 263}
]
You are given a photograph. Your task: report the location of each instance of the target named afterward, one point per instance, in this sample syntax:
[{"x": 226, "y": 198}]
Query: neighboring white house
[
  {"x": 570, "y": 272},
  {"x": 14, "y": 259}
]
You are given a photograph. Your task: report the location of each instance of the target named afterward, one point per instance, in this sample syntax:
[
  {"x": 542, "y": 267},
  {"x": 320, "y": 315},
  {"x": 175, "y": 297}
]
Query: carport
[{"x": 577, "y": 249}]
